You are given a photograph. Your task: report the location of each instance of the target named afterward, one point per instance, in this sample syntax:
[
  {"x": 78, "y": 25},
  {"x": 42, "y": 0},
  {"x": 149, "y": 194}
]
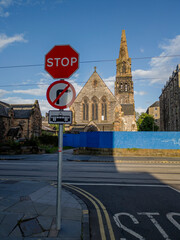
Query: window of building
[
  {"x": 85, "y": 110},
  {"x": 94, "y": 109},
  {"x": 126, "y": 87},
  {"x": 121, "y": 86},
  {"x": 104, "y": 109}
]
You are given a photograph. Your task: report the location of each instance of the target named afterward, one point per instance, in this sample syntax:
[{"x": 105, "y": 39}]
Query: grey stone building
[
  {"x": 20, "y": 121},
  {"x": 97, "y": 109},
  {"x": 170, "y": 103}
]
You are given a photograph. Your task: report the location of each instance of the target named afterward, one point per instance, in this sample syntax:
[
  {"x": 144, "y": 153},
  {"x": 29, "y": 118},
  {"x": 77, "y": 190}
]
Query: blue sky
[{"x": 30, "y": 28}]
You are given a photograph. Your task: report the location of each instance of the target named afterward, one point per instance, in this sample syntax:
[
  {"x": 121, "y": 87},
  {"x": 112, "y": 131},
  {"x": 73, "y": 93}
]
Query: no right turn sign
[{"x": 61, "y": 94}]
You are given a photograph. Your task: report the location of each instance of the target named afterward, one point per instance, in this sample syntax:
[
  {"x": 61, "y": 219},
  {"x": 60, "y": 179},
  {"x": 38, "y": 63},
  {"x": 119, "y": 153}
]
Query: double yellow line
[{"x": 94, "y": 201}]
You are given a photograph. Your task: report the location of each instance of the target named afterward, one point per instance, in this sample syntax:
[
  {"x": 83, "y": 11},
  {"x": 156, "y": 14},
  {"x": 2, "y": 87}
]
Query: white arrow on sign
[{"x": 61, "y": 94}]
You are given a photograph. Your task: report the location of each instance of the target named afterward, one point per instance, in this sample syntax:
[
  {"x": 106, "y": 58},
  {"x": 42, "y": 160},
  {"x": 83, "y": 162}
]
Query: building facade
[
  {"x": 97, "y": 109},
  {"x": 20, "y": 121},
  {"x": 154, "y": 110},
  {"x": 170, "y": 103}
]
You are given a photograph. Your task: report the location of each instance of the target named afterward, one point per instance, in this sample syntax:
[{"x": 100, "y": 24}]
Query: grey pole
[{"x": 59, "y": 177}]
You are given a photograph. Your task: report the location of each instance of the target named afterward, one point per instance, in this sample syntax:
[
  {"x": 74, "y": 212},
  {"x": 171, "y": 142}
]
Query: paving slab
[
  {"x": 7, "y": 202},
  {"x": 45, "y": 222},
  {"x": 16, "y": 232},
  {"x": 8, "y": 223},
  {"x": 71, "y": 214},
  {"x": 30, "y": 227},
  {"x": 26, "y": 207},
  {"x": 28, "y": 211},
  {"x": 70, "y": 230}
]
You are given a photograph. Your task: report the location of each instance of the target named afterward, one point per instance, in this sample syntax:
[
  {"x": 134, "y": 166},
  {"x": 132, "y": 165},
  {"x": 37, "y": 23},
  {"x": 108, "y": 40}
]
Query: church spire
[
  {"x": 123, "y": 53},
  {"x": 124, "y": 85},
  {"x": 123, "y": 63}
]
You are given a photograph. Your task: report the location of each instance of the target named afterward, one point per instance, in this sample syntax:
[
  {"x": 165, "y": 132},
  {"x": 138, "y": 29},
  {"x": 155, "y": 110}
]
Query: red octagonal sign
[{"x": 61, "y": 61}]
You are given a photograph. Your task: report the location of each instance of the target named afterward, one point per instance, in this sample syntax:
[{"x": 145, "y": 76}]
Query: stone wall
[
  {"x": 35, "y": 123},
  {"x": 126, "y": 152},
  {"x": 170, "y": 103},
  {"x": 4, "y": 128}
]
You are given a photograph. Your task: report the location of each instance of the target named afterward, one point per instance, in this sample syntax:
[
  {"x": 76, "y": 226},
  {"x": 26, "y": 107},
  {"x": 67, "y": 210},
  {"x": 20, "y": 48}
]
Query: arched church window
[
  {"x": 121, "y": 86},
  {"x": 85, "y": 110},
  {"x": 94, "y": 109},
  {"x": 104, "y": 109}
]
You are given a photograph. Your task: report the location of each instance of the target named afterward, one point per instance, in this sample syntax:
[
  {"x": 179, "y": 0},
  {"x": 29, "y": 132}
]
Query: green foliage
[
  {"x": 146, "y": 122},
  {"x": 48, "y": 140},
  {"x": 34, "y": 141},
  {"x": 49, "y": 148}
]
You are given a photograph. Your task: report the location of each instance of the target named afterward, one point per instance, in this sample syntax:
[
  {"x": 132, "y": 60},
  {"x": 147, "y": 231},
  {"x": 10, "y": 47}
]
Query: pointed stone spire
[
  {"x": 123, "y": 63},
  {"x": 123, "y": 53}
]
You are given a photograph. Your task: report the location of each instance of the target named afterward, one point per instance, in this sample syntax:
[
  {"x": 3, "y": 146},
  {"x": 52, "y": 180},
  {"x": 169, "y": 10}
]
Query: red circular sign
[
  {"x": 61, "y": 94},
  {"x": 61, "y": 61}
]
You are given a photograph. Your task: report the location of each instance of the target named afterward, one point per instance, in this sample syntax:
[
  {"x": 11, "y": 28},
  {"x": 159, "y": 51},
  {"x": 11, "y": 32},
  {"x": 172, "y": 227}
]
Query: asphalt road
[
  {"x": 127, "y": 199},
  {"x": 135, "y": 212}
]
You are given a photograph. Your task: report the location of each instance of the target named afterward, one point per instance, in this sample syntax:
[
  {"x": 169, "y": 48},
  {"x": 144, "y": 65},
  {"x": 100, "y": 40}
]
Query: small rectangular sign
[{"x": 60, "y": 117}]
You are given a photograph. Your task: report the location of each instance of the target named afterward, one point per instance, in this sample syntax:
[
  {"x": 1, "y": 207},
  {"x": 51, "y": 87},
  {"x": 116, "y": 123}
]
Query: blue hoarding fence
[{"x": 142, "y": 140}]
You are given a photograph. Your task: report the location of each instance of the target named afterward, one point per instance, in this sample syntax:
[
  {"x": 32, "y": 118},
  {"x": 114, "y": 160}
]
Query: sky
[{"x": 29, "y": 29}]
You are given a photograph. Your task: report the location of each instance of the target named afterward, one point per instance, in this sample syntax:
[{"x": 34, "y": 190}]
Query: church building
[{"x": 97, "y": 109}]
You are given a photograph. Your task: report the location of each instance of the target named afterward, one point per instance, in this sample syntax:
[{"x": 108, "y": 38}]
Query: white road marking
[
  {"x": 171, "y": 219},
  {"x": 120, "y": 225},
  {"x": 157, "y": 225},
  {"x": 174, "y": 189}
]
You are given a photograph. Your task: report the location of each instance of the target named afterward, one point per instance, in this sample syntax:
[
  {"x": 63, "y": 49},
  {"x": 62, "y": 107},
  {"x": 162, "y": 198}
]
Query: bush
[{"x": 48, "y": 140}]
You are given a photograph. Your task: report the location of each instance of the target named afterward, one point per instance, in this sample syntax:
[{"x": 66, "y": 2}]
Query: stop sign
[{"x": 61, "y": 61}]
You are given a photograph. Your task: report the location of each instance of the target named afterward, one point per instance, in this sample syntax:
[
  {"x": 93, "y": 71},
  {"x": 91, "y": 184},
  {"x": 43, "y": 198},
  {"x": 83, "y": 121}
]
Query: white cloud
[
  {"x": 3, "y": 92},
  {"x": 3, "y": 5},
  {"x": 5, "y": 40},
  {"x": 43, "y": 84},
  {"x": 140, "y": 110},
  {"x": 17, "y": 100},
  {"x": 161, "y": 68},
  {"x": 141, "y": 93}
]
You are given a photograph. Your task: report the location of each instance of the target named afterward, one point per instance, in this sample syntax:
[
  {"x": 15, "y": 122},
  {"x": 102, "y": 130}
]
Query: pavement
[{"x": 28, "y": 211}]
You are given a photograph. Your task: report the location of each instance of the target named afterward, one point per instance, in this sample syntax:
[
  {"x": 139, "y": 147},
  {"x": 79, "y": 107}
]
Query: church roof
[
  {"x": 155, "y": 104},
  {"x": 4, "y": 109},
  {"x": 20, "y": 106},
  {"x": 128, "y": 109},
  {"x": 21, "y": 111},
  {"x": 22, "y": 114},
  {"x": 95, "y": 86}
]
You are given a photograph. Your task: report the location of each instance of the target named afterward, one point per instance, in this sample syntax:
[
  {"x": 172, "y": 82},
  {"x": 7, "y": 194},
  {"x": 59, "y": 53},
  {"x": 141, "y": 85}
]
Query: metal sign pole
[{"x": 59, "y": 177}]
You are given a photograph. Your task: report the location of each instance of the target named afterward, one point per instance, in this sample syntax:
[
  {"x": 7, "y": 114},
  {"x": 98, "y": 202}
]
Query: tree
[
  {"x": 146, "y": 122},
  {"x": 137, "y": 114}
]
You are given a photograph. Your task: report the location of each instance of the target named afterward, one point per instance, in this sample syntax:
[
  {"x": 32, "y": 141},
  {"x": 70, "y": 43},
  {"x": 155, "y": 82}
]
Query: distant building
[
  {"x": 20, "y": 121},
  {"x": 154, "y": 110},
  {"x": 170, "y": 103},
  {"x": 97, "y": 109},
  {"x": 46, "y": 127}
]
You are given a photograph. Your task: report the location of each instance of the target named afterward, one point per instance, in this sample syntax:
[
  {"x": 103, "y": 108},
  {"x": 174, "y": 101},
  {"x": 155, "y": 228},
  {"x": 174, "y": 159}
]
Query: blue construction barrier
[{"x": 143, "y": 140}]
